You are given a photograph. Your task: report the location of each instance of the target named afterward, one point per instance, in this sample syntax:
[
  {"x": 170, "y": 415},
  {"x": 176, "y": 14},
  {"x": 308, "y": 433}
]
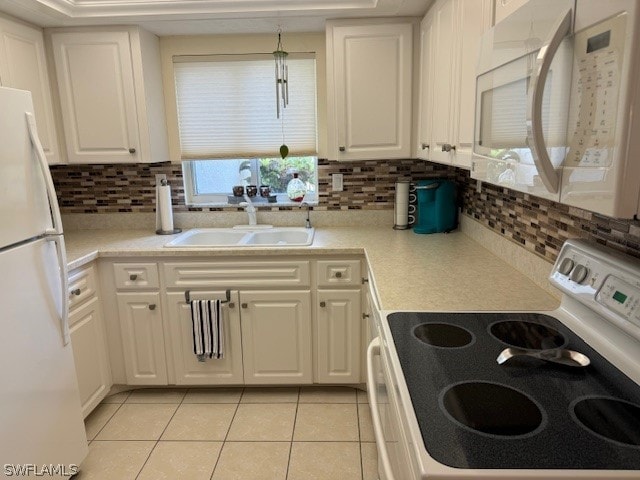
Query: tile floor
[{"x": 283, "y": 433}]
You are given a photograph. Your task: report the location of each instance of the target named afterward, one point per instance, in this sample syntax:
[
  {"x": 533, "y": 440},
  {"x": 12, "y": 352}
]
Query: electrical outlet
[
  {"x": 478, "y": 186},
  {"x": 337, "y": 184},
  {"x": 160, "y": 177}
]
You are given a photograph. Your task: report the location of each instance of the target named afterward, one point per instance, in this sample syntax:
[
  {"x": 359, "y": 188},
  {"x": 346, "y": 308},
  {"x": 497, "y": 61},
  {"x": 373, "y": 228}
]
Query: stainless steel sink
[{"x": 230, "y": 237}]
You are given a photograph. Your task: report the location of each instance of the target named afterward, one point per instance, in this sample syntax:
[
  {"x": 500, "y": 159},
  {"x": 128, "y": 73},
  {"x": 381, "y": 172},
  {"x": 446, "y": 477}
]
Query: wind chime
[{"x": 282, "y": 87}]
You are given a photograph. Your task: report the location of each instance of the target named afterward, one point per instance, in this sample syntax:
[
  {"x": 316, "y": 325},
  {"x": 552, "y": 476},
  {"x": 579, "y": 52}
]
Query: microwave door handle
[
  {"x": 44, "y": 167},
  {"x": 549, "y": 175}
]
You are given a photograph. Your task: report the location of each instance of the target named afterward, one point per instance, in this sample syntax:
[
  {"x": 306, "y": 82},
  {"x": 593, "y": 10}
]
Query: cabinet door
[
  {"x": 90, "y": 355},
  {"x": 444, "y": 60},
  {"x": 504, "y": 8},
  {"x": 96, "y": 84},
  {"x": 276, "y": 336},
  {"x": 338, "y": 333},
  {"x": 472, "y": 20},
  {"x": 371, "y": 91},
  {"x": 427, "y": 76},
  {"x": 142, "y": 338},
  {"x": 188, "y": 370},
  {"x": 23, "y": 65}
]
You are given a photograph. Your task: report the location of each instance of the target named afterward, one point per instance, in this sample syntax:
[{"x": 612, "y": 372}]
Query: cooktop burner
[
  {"x": 610, "y": 418},
  {"x": 529, "y": 335},
  {"x": 474, "y": 413},
  {"x": 492, "y": 409},
  {"x": 443, "y": 335}
]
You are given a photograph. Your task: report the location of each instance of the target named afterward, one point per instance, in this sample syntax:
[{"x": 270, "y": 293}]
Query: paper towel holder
[{"x": 159, "y": 231}]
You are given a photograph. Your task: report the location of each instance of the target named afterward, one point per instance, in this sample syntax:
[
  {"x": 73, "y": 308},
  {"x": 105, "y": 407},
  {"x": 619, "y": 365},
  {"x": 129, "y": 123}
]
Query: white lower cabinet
[
  {"x": 142, "y": 335},
  {"x": 188, "y": 370},
  {"x": 276, "y": 336},
  {"x": 338, "y": 336},
  {"x": 87, "y": 330},
  {"x": 90, "y": 355}
]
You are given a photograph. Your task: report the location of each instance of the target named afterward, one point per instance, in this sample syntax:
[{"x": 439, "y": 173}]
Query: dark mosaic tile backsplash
[{"x": 538, "y": 225}]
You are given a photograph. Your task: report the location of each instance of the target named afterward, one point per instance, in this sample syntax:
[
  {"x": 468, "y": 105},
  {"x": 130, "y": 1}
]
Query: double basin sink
[{"x": 244, "y": 237}]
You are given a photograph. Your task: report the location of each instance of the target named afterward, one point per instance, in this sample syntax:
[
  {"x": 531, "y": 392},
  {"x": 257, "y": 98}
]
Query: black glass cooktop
[{"x": 525, "y": 414}]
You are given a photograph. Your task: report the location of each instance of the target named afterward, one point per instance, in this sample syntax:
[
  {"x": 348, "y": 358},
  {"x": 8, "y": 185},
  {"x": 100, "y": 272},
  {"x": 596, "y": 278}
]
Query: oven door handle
[
  {"x": 535, "y": 137},
  {"x": 372, "y": 351}
]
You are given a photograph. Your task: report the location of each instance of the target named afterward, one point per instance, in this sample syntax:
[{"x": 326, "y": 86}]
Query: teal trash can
[{"x": 436, "y": 206}]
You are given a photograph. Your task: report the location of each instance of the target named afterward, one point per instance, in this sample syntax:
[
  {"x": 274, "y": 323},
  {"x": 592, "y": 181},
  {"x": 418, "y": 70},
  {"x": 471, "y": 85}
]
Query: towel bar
[{"x": 187, "y": 296}]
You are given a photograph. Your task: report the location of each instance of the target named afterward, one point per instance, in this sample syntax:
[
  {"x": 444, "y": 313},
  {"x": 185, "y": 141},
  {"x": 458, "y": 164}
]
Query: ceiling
[{"x": 191, "y": 17}]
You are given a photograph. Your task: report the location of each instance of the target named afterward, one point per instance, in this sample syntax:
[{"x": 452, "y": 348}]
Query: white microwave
[{"x": 557, "y": 87}]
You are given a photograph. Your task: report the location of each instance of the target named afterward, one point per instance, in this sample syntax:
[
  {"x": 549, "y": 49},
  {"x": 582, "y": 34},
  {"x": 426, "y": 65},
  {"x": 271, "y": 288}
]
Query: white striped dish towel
[{"x": 208, "y": 329}]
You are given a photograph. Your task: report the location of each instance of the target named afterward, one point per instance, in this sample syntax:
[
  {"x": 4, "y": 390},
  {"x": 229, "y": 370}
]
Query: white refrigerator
[{"x": 41, "y": 426}]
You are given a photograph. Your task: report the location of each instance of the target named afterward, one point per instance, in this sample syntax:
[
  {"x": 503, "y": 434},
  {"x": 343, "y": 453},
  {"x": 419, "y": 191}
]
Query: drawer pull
[
  {"x": 323, "y": 304},
  {"x": 76, "y": 292},
  {"x": 338, "y": 274},
  {"x": 152, "y": 306},
  {"x": 365, "y": 316},
  {"x": 133, "y": 277}
]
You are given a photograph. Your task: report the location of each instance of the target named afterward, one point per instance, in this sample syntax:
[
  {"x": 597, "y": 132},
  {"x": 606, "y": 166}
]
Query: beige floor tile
[
  {"x": 253, "y": 460},
  {"x": 270, "y": 395},
  {"x": 326, "y": 422},
  {"x": 200, "y": 422},
  {"x": 99, "y": 418},
  {"x": 213, "y": 395},
  {"x": 137, "y": 422},
  {"x": 263, "y": 422},
  {"x": 369, "y": 454},
  {"x": 362, "y": 396},
  {"x": 157, "y": 395},
  {"x": 181, "y": 460},
  {"x": 111, "y": 460},
  {"x": 324, "y": 461},
  {"x": 366, "y": 425},
  {"x": 327, "y": 395},
  {"x": 117, "y": 397}
]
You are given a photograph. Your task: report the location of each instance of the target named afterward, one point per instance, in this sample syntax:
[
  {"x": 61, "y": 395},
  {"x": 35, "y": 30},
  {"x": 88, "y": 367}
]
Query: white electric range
[{"x": 443, "y": 408}]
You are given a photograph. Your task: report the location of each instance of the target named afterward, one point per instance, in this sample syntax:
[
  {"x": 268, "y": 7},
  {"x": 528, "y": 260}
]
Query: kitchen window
[{"x": 229, "y": 133}]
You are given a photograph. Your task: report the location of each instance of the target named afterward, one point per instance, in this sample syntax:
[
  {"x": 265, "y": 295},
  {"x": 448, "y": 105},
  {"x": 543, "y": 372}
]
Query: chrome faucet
[
  {"x": 308, "y": 221},
  {"x": 250, "y": 209}
]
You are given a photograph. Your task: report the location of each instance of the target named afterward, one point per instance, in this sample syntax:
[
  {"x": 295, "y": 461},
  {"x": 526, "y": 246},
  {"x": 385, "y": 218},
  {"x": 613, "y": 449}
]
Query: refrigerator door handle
[
  {"x": 64, "y": 287},
  {"x": 44, "y": 167}
]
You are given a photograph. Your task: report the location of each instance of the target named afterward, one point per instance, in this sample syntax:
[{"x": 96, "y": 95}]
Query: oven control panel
[{"x": 605, "y": 281}]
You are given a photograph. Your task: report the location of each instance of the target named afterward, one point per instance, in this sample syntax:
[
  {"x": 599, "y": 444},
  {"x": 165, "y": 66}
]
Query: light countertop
[{"x": 411, "y": 272}]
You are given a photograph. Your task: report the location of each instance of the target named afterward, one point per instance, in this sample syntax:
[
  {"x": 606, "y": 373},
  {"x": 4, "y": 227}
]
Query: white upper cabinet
[
  {"x": 23, "y": 65},
  {"x": 450, "y": 35},
  {"x": 369, "y": 88},
  {"x": 110, "y": 89}
]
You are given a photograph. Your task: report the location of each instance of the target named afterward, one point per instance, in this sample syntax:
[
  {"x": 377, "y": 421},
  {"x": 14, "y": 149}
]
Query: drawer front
[
  {"x": 332, "y": 273},
  {"x": 82, "y": 286},
  {"x": 237, "y": 274},
  {"x": 136, "y": 276}
]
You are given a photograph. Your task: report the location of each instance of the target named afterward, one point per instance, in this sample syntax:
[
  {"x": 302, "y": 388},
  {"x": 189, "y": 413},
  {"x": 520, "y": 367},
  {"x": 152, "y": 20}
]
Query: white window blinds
[{"x": 227, "y": 106}]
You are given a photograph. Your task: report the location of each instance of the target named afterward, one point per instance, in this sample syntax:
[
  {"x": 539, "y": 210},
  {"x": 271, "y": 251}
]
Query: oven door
[{"x": 522, "y": 103}]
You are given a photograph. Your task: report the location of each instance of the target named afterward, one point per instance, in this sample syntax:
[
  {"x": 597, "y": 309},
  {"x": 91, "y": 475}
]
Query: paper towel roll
[
  {"x": 165, "y": 208},
  {"x": 401, "y": 210}
]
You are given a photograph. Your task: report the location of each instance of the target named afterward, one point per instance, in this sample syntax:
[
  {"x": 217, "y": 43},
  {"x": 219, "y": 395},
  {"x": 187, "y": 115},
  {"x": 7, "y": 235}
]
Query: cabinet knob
[
  {"x": 76, "y": 292},
  {"x": 447, "y": 147},
  {"x": 365, "y": 316},
  {"x": 152, "y": 306},
  {"x": 244, "y": 305},
  {"x": 338, "y": 274},
  {"x": 231, "y": 305},
  {"x": 133, "y": 277},
  {"x": 323, "y": 304},
  {"x": 342, "y": 149},
  {"x": 424, "y": 146},
  {"x": 132, "y": 150}
]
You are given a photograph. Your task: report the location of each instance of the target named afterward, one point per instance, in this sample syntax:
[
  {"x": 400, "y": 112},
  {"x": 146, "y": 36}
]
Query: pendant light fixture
[{"x": 282, "y": 75}]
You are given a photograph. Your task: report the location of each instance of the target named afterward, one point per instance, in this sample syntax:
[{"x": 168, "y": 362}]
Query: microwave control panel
[{"x": 597, "y": 69}]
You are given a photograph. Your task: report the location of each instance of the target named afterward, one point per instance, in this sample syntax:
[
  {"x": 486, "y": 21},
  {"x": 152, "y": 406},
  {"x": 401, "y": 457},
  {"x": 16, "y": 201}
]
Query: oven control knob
[
  {"x": 579, "y": 273},
  {"x": 566, "y": 266}
]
